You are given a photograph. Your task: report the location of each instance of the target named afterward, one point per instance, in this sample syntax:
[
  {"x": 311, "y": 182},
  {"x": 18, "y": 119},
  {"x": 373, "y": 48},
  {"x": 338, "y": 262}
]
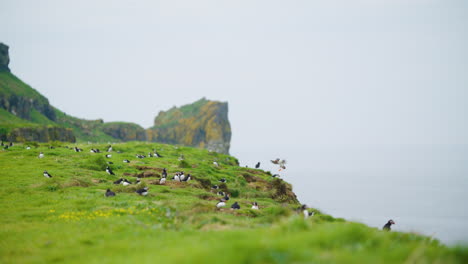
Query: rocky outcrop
[
  {"x": 203, "y": 124},
  {"x": 40, "y": 134},
  {"x": 4, "y": 58},
  {"x": 22, "y": 106},
  {"x": 124, "y": 131}
]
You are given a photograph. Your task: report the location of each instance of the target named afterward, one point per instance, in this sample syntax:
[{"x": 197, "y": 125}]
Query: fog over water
[
  {"x": 366, "y": 99},
  {"x": 421, "y": 187}
]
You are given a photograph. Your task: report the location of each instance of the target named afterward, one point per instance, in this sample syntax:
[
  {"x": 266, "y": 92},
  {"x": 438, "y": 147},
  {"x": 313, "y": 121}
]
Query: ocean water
[{"x": 423, "y": 188}]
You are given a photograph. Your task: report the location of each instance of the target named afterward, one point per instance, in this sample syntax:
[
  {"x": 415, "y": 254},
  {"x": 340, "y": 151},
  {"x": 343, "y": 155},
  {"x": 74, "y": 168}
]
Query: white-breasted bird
[
  {"x": 125, "y": 182},
  {"x": 255, "y": 205},
  {"x": 41, "y": 155},
  {"x": 109, "y": 171},
  {"x": 221, "y": 203},
  {"x": 47, "y": 175},
  {"x": 143, "y": 191}
]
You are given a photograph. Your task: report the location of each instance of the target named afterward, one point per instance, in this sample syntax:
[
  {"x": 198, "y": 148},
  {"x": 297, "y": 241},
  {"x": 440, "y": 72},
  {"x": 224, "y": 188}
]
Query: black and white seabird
[
  {"x": 181, "y": 176},
  {"x": 388, "y": 225},
  {"x": 125, "y": 182},
  {"x": 220, "y": 193},
  {"x": 275, "y": 175},
  {"x": 215, "y": 163},
  {"x": 187, "y": 178},
  {"x": 47, "y": 175},
  {"x": 156, "y": 154},
  {"x": 215, "y": 187},
  {"x": 143, "y": 191},
  {"x": 108, "y": 156},
  {"x": 223, "y": 180},
  {"x": 221, "y": 203},
  {"x": 41, "y": 155},
  {"x": 119, "y": 181},
  {"x": 255, "y": 205},
  {"x": 109, "y": 171},
  {"x": 110, "y": 162},
  {"x": 226, "y": 197},
  {"x": 162, "y": 181},
  {"x": 176, "y": 177},
  {"x": 257, "y": 165},
  {"x": 109, "y": 193},
  {"x": 109, "y": 148},
  {"x": 306, "y": 212},
  {"x": 126, "y": 161},
  {"x": 28, "y": 147},
  {"x": 235, "y": 206},
  {"x": 164, "y": 172},
  {"x": 138, "y": 181}
]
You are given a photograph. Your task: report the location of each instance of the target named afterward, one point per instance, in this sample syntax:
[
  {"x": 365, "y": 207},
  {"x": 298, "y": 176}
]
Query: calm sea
[{"x": 423, "y": 188}]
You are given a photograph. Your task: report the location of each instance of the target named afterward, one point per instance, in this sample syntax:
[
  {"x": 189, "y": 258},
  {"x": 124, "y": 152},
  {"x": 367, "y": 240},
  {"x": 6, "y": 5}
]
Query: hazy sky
[{"x": 294, "y": 72}]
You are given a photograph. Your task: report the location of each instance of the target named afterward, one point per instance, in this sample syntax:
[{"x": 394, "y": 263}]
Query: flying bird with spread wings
[{"x": 280, "y": 163}]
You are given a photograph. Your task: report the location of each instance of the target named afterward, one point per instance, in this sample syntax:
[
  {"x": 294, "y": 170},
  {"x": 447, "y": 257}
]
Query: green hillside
[
  {"x": 68, "y": 219},
  {"x": 25, "y": 115}
]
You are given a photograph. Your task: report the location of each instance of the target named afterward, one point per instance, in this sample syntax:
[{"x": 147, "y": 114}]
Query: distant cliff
[
  {"x": 203, "y": 124},
  {"x": 26, "y": 115},
  {"x": 4, "y": 58}
]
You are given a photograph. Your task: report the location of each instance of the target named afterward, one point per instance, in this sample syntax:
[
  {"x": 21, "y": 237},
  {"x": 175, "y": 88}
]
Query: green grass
[{"x": 67, "y": 219}]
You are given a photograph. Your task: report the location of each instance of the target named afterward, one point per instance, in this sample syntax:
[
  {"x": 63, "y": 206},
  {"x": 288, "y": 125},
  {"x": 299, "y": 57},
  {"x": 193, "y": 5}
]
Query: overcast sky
[{"x": 294, "y": 72}]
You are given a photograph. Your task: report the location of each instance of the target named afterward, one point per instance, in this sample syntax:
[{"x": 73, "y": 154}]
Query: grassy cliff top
[{"x": 67, "y": 218}]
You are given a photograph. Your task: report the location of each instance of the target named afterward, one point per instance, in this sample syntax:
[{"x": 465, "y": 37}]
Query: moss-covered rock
[
  {"x": 40, "y": 134},
  {"x": 125, "y": 131},
  {"x": 203, "y": 124}
]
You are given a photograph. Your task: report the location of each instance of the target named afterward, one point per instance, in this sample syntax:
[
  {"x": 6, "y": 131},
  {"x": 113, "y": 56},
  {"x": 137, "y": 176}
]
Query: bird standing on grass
[
  {"x": 255, "y": 205},
  {"x": 387, "y": 226},
  {"x": 109, "y": 171},
  {"x": 125, "y": 182},
  {"x": 41, "y": 155},
  {"x": 235, "y": 206},
  {"x": 143, "y": 191},
  {"x": 109, "y": 193},
  {"x": 119, "y": 181},
  {"x": 162, "y": 181},
  {"x": 47, "y": 175},
  {"x": 306, "y": 212},
  {"x": 257, "y": 165},
  {"x": 221, "y": 203}
]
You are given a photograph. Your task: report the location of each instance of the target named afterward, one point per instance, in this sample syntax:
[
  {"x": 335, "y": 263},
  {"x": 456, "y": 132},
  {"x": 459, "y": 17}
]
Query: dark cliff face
[
  {"x": 203, "y": 124},
  {"x": 4, "y": 58}
]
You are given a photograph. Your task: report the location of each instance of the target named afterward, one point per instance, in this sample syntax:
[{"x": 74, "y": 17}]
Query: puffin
[
  {"x": 143, "y": 191},
  {"x": 255, "y": 205},
  {"x": 109, "y": 193},
  {"x": 221, "y": 203},
  {"x": 109, "y": 171},
  {"x": 47, "y": 175},
  {"x": 235, "y": 206},
  {"x": 387, "y": 226}
]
